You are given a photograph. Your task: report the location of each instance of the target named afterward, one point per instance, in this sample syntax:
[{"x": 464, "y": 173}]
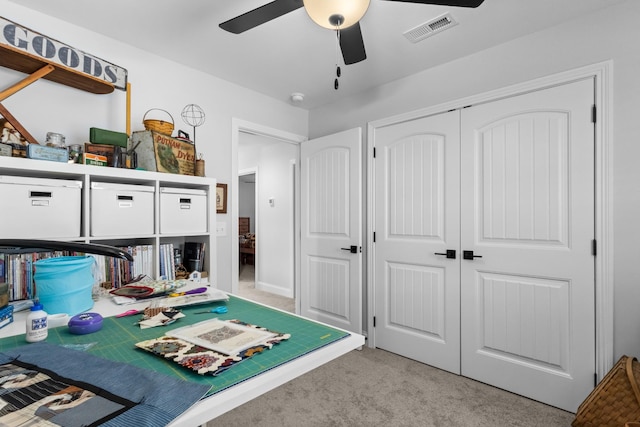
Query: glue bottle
[{"x": 37, "y": 329}]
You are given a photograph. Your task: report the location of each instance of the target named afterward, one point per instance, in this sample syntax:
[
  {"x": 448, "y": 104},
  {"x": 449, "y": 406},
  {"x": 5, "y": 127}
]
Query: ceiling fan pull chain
[{"x": 336, "y": 84}]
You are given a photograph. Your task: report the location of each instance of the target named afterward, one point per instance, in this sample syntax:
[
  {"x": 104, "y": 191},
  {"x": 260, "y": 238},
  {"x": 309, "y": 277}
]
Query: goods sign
[{"x": 51, "y": 50}]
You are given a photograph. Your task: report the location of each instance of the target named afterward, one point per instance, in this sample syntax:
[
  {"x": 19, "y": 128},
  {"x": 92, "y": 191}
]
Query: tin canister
[
  {"x": 199, "y": 167},
  {"x": 75, "y": 153}
]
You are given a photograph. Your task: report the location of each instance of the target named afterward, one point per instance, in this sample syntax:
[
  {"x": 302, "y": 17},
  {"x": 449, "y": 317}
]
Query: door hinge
[
  {"x": 374, "y": 237},
  {"x": 374, "y": 321},
  {"x": 593, "y": 113},
  {"x": 594, "y": 247},
  {"x": 374, "y": 152},
  {"x": 595, "y": 379}
]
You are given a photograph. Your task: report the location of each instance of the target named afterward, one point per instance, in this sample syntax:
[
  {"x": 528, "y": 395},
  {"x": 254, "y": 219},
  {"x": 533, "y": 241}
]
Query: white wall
[
  {"x": 274, "y": 231},
  {"x": 611, "y": 34},
  {"x": 156, "y": 83}
]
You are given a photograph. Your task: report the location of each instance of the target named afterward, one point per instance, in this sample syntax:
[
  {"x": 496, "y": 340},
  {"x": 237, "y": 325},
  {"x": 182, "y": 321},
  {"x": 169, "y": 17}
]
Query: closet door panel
[{"x": 527, "y": 215}]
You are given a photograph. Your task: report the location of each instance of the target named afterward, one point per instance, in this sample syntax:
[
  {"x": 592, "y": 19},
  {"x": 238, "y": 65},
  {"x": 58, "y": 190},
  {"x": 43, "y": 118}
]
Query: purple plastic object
[{"x": 85, "y": 323}]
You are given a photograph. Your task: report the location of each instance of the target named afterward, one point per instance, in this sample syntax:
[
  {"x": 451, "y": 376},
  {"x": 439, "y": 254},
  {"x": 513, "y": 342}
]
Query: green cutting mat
[{"x": 116, "y": 341}]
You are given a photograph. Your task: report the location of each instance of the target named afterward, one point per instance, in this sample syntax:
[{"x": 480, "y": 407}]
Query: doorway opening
[
  {"x": 266, "y": 219},
  {"x": 247, "y": 232}
]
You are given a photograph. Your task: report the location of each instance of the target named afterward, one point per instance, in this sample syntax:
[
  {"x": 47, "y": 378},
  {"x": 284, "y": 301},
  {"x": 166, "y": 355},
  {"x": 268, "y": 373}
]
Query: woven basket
[
  {"x": 616, "y": 399},
  {"x": 160, "y": 126}
]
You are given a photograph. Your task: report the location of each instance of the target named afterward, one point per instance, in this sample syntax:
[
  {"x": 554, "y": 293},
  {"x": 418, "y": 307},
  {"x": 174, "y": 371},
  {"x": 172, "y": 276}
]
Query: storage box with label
[
  {"x": 160, "y": 153},
  {"x": 183, "y": 210},
  {"x": 121, "y": 209},
  {"x": 40, "y": 208}
]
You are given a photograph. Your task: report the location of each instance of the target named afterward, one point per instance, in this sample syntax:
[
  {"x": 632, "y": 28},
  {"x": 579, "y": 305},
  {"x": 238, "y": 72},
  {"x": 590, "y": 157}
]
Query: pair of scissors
[
  {"x": 220, "y": 310},
  {"x": 129, "y": 313},
  {"x": 191, "y": 292}
]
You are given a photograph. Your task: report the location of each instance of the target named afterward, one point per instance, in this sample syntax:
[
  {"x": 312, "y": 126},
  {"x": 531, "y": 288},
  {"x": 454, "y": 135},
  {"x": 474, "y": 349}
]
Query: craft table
[{"x": 311, "y": 345}]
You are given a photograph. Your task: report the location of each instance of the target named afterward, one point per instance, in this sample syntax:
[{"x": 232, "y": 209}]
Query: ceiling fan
[{"x": 340, "y": 15}]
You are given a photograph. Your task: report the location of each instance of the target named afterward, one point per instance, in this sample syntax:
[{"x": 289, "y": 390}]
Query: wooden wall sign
[{"x": 51, "y": 50}]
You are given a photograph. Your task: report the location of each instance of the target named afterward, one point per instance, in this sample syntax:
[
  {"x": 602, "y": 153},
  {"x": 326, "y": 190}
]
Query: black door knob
[
  {"x": 469, "y": 255},
  {"x": 450, "y": 253}
]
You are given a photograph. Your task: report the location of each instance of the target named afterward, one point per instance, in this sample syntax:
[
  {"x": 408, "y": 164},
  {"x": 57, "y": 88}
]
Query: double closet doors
[{"x": 484, "y": 221}]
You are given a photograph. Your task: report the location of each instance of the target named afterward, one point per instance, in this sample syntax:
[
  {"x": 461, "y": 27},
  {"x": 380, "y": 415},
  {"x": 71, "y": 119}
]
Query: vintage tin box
[
  {"x": 43, "y": 152},
  {"x": 161, "y": 153}
]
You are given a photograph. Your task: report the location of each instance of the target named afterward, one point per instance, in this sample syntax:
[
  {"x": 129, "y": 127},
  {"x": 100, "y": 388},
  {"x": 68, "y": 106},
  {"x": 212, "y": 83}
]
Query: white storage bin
[
  {"x": 39, "y": 208},
  {"x": 183, "y": 210},
  {"x": 121, "y": 209}
]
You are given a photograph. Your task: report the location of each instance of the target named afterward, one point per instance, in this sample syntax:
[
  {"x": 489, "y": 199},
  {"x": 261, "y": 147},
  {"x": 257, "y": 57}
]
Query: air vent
[{"x": 430, "y": 28}]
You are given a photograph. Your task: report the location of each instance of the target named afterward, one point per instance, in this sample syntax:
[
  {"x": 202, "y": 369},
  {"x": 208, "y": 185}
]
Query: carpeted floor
[
  {"x": 373, "y": 387},
  {"x": 247, "y": 289}
]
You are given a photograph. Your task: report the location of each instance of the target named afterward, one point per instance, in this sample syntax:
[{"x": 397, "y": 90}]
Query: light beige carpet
[
  {"x": 247, "y": 289},
  {"x": 373, "y": 387}
]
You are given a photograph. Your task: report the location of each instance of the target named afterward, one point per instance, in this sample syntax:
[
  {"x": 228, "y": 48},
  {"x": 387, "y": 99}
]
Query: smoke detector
[
  {"x": 297, "y": 98},
  {"x": 430, "y": 28}
]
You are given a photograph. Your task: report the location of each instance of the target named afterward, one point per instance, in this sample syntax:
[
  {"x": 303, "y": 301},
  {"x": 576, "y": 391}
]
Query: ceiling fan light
[{"x": 327, "y": 12}]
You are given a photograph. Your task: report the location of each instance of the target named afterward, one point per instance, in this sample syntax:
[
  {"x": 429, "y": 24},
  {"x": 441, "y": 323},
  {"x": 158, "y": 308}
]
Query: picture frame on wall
[{"x": 221, "y": 198}]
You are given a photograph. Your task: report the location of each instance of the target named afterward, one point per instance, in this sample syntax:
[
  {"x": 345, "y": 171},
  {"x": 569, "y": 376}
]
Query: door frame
[
  {"x": 237, "y": 126},
  {"x": 602, "y": 73}
]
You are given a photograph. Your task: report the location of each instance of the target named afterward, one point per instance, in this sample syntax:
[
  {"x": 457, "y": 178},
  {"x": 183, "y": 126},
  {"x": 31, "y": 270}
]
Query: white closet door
[
  {"x": 527, "y": 209},
  {"x": 417, "y": 287}
]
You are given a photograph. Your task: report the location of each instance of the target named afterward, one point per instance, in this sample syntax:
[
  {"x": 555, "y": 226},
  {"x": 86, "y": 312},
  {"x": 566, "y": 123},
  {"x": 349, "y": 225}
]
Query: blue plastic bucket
[{"x": 63, "y": 284}]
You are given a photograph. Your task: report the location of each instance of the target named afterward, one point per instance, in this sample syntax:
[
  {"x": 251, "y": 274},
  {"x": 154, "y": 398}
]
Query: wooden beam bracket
[{"x": 31, "y": 78}]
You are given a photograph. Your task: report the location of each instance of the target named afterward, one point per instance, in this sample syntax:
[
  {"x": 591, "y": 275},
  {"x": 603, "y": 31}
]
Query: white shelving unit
[{"x": 21, "y": 167}]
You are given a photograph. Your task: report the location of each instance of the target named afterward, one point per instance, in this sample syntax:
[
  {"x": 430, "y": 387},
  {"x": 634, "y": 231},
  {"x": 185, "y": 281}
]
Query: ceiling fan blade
[
  {"x": 456, "y": 3},
  {"x": 259, "y": 16},
  {"x": 352, "y": 45}
]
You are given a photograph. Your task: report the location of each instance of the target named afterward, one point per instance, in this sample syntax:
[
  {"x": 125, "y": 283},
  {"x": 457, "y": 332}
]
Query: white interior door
[
  {"x": 331, "y": 225},
  {"x": 528, "y": 211},
  {"x": 417, "y": 181}
]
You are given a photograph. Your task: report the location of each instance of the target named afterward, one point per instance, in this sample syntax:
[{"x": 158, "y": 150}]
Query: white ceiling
[{"x": 293, "y": 54}]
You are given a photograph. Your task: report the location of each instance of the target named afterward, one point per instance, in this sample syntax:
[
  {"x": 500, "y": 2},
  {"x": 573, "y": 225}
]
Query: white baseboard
[{"x": 267, "y": 287}]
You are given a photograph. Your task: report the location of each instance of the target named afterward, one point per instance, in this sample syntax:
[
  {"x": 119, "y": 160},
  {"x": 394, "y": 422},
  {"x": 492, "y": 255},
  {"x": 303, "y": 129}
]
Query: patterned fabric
[
  {"x": 203, "y": 360},
  {"x": 138, "y": 396},
  {"x": 148, "y": 288},
  {"x": 34, "y": 397},
  {"x": 159, "y": 316}
]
